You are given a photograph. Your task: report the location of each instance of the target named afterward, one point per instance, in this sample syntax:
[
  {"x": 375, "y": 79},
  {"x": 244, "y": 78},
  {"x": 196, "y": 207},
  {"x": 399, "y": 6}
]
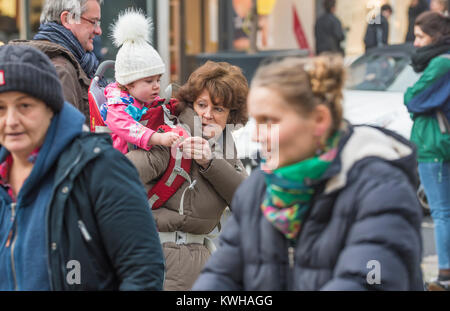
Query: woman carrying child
[{"x": 213, "y": 97}]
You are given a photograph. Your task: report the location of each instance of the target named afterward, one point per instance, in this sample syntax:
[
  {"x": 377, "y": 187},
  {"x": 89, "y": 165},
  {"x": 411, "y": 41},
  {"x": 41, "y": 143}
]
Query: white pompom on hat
[{"x": 136, "y": 58}]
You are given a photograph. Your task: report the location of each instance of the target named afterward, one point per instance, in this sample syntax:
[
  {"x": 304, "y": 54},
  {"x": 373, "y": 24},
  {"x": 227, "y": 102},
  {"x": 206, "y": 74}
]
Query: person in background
[
  {"x": 213, "y": 97},
  {"x": 241, "y": 24},
  {"x": 440, "y": 6},
  {"x": 416, "y": 8},
  {"x": 332, "y": 202},
  {"x": 377, "y": 32},
  {"x": 73, "y": 213},
  {"x": 328, "y": 30},
  {"x": 66, "y": 35},
  {"x": 427, "y": 100},
  {"x": 8, "y": 27}
]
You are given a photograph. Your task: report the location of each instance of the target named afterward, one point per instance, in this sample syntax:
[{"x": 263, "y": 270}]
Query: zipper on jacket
[
  {"x": 291, "y": 246},
  {"x": 11, "y": 232},
  {"x": 291, "y": 256},
  {"x": 53, "y": 283},
  {"x": 12, "y": 261},
  {"x": 13, "y": 266},
  {"x": 291, "y": 261},
  {"x": 13, "y": 210}
]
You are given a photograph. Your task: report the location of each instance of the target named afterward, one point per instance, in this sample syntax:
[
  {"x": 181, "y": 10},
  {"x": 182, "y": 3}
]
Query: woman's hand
[{"x": 198, "y": 149}]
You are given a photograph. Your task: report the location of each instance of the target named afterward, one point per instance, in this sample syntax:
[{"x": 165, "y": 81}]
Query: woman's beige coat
[{"x": 203, "y": 206}]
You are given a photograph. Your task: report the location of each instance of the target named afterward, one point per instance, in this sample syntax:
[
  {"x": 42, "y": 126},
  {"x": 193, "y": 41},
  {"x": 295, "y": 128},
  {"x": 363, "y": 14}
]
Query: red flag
[{"x": 299, "y": 33}]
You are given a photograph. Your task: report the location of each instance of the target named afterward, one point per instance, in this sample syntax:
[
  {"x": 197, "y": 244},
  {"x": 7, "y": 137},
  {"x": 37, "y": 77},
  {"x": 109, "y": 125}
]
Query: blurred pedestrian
[
  {"x": 66, "y": 35},
  {"x": 416, "y": 8},
  {"x": 377, "y": 32},
  {"x": 73, "y": 213},
  {"x": 213, "y": 97},
  {"x": 334, "y": 203},
  {"x": 429, "y": 103},
  {"x": 440, "y": 6},
  {"x": 328, "y": 30}
]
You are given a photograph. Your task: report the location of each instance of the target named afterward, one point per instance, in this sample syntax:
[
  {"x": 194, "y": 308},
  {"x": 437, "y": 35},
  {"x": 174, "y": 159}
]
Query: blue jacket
[
  {"x": 436, "y": 96},
  {"x": 83, "y": 202},
  {"x": 429, "y": 95},
  {"x": 363, "y": 227}
]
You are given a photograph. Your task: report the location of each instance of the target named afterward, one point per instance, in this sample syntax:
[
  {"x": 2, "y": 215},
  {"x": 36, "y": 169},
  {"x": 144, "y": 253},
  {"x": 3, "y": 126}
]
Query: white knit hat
[{"x": 136, "y": 58}]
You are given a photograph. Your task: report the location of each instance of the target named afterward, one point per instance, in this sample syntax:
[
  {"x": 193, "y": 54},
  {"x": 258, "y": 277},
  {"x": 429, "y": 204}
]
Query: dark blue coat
[
  {"x": 95, "y": 213},
  {"x": 377, "y": 33},
  {"x": 365, "y": 210}
]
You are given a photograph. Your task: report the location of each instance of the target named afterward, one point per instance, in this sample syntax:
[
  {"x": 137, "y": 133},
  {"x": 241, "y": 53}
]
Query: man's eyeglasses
[{"x": 93, "y": 22}]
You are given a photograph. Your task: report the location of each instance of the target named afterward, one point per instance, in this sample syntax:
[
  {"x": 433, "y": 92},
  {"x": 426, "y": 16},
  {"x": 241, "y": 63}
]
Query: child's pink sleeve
[{"x": 122, "y": 124}]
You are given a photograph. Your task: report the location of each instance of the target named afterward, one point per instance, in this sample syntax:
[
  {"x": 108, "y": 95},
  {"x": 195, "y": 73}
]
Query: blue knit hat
[{"x": 26, "y": 69}]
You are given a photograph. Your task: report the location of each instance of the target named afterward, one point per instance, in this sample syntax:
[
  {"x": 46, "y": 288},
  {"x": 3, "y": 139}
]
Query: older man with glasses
[{"x": 66, "y": 35}]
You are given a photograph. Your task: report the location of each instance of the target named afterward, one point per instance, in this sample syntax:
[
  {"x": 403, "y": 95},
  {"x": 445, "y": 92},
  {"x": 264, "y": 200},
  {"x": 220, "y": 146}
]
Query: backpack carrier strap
[{"x": 175, "y": 175}]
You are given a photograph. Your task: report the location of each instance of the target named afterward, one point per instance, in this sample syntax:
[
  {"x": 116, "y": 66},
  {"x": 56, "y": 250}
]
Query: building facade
[{"x": 189, "y": 27}]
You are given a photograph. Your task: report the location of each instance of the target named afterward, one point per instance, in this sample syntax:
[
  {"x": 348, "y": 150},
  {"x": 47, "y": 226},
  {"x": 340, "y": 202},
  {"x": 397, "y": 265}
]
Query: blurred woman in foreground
[{"x": 333, "y": 205}]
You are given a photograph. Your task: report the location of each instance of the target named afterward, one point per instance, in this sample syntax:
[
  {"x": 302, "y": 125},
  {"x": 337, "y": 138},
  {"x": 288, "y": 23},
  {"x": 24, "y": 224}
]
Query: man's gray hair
[{"x": 52, "y": 9}]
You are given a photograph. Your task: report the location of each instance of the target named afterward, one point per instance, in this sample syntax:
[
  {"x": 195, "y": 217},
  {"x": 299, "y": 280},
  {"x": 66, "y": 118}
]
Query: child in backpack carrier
[{"x": 129, "y": 100}]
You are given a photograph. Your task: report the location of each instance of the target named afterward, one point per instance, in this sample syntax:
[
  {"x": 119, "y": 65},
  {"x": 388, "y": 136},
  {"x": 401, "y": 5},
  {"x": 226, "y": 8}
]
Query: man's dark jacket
[
  {"x": 329, "y": 34},
  {"x": 377, "y": 33},
  {"x": 413, "y": 12}
]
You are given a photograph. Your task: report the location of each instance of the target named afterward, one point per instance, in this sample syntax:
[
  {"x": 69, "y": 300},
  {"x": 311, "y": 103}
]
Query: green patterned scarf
[{"x": 288, "y": 197}]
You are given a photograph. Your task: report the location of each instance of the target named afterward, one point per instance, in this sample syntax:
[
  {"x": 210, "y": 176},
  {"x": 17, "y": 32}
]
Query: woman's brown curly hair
[{"x": 226, "y": 85}]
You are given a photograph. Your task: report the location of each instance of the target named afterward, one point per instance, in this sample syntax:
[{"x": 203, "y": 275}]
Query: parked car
[{"x": 376, "y": 83}]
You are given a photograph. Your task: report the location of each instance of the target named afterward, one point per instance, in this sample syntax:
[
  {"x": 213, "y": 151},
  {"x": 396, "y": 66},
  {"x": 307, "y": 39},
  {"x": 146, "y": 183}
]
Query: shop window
[
  {"x": 9, "y": 21},
  {"x": 11, "y": 24},
  {"x": 35, "y": 15},
  {"x": 242, "y": 23}
]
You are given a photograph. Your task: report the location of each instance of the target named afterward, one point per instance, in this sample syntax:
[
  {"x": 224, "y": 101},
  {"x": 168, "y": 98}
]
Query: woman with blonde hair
[{"x": 333, "y": 203}]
